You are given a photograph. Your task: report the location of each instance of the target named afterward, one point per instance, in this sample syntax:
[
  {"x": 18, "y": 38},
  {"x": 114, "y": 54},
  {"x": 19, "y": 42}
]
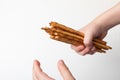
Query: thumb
[{"x": 88, "y": 40}]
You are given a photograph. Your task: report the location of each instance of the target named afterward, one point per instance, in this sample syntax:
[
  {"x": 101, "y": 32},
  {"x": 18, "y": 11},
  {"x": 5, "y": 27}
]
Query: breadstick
[
  {"x": 81, "y": 38},
  {"x": 68, "y": 35},
  {"x": 62, "y": 39},
  {"x": 75, "y": 36},
  {"x": 57, "y": 25}
]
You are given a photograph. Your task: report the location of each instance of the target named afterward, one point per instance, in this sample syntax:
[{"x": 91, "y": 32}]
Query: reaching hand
[{"x": 38, "y": 74}]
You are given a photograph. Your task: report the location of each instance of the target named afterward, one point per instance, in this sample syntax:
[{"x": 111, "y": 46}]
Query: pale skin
[
  {"x": 38, "y": 73},
  {"x": 98, "y": 28}
]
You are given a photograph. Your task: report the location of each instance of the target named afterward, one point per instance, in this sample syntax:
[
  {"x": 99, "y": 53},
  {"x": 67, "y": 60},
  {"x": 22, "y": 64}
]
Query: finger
[
  {"x": 93, "y": 50},
  {"x": 33, "y": 73},
  {"x": 40, "y": 75},
  {"x": 77, "y": 48},
  {"x": 88, "y": 51},
  {"x": 88, "y": 40},
  {"x": 88, "y": 43},
  {"x": 85, "y": 51},
  {"x": 34, "y": 76},
  {"x": 64, "y": 71},
  {"x": 80, "y": 49}
]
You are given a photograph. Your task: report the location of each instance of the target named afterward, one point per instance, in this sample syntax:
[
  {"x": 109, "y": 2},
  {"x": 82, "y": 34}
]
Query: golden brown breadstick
[
  {"x": 81, "y": 38},
  {"x": 68, "y": 35},
  {"x": 57, "y": 25}
]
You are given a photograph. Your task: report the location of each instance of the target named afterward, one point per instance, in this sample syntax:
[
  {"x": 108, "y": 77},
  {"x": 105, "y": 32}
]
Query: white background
[{"x": 22, "y": 40}]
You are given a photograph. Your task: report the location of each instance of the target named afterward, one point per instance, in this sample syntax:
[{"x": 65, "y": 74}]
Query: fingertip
[
  {"x": 36, "y": 62},
  {"x": 85, "y": 51},
  {"x": 36, "y": 66},
  {"x": 90, "y": 51},
  {"x": 62, "y": 66},
  {"x": 60, "y": 63},
  {"x": 78, "y": 48},
  {"x": 93, "y": 49}
]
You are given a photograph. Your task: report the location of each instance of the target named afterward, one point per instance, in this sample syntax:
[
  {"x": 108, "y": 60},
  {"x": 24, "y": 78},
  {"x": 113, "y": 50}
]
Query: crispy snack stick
[
  {"x": 79, "y": 37},
  {"x": 68, "y": 35},
  {"x": 65, "y": 28},
  {"x": 73, "y": 42}
]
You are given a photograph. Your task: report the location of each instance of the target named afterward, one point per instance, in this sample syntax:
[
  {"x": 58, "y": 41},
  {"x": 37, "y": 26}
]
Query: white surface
[{"x": 22, "y": 40}]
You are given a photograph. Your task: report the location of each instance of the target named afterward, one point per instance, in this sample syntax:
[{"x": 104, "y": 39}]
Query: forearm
[
  {"x": 109, "y": 19},
  {"x": 98, "y": 29}
]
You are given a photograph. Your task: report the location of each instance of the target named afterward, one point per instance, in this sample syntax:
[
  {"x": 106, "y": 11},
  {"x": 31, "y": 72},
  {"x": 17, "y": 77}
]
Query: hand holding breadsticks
[
  {"x": 90, "y": 32},
  {"x": 68, "y": 35},
  {"x": 98, "y": 28}
]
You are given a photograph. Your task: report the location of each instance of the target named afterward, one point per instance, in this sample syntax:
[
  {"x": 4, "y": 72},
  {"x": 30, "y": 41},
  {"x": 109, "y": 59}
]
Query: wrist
[
  {"x": 98, "y": 25},
  {"x": 101, "y": 24}
]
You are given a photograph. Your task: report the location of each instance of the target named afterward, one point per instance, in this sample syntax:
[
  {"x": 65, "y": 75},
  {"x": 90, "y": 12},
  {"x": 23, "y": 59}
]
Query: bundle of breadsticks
[{"x": 68, "y": 35}]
